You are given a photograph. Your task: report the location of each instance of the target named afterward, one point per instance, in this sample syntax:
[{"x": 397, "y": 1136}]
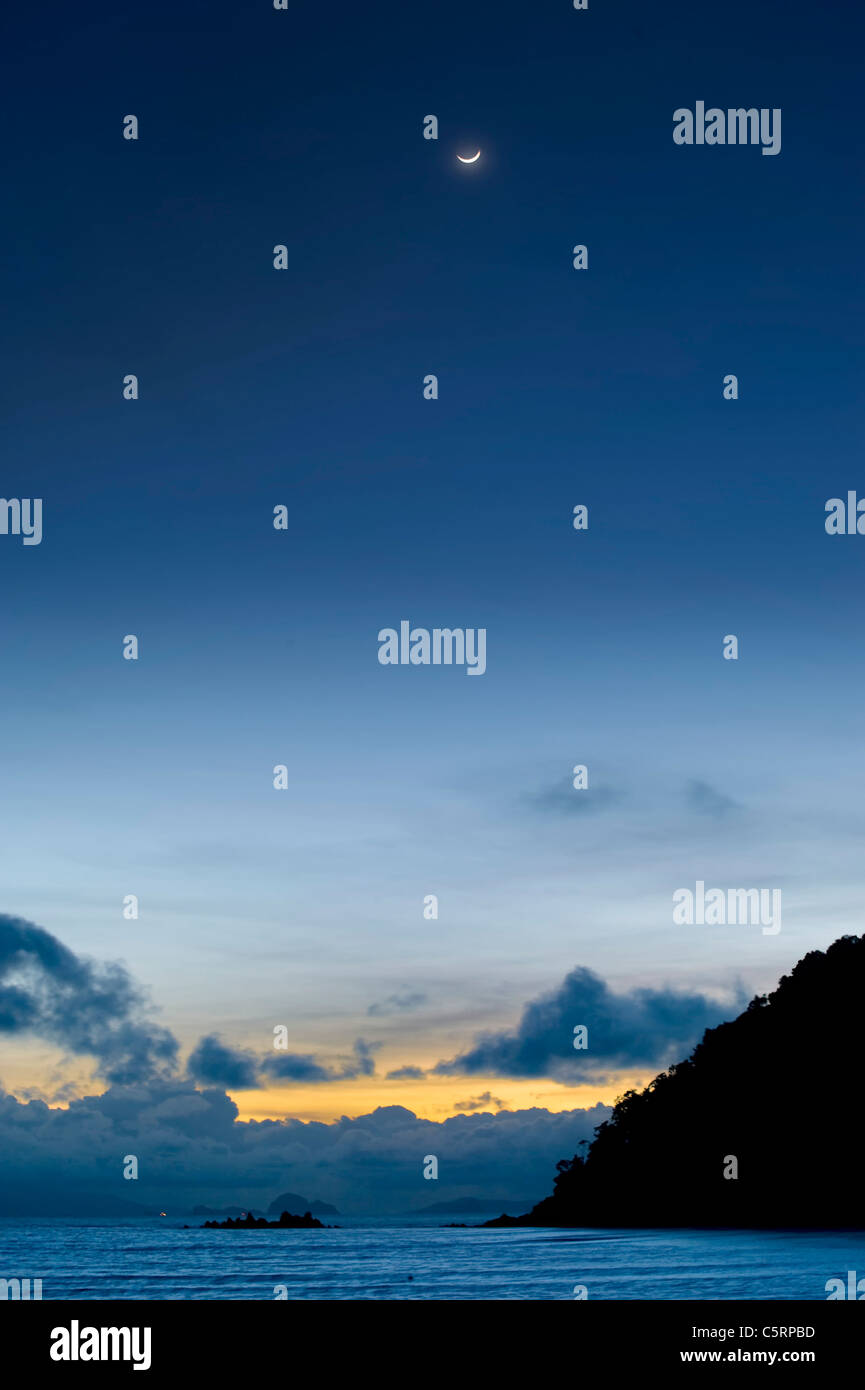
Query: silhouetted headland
[
  {"x": 760, "y": 1127},
  {"x": 255, "y": 1223}
]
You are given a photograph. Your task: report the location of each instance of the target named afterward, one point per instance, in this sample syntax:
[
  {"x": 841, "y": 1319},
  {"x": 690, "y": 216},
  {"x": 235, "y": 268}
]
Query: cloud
[
  {"x": 97, "y": 1010},
  {"x": 645, "y": 1028},
  {"x": 563, "y": 799},
  {"x": 303, "y": 1067},
  {"x": 406, "y": 1074},
  {"x": 708, "y": 801},
  {"x": 215, "y": 1064},
  {"x": 198, "y": 1151},
  {"x": 409, "y": 999},
  {"x": 297, "y": 1066},
  {"x": 480, "y": 1103},
  {"x": 84, "y": 1007}
]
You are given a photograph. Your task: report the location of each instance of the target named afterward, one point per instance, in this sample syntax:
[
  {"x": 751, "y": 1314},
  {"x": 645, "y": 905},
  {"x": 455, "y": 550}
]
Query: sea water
[{"x": 388, "y": 1258}]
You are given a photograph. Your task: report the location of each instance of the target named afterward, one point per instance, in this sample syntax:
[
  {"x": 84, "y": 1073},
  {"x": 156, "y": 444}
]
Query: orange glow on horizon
[{"x": 436, "y": 1098}]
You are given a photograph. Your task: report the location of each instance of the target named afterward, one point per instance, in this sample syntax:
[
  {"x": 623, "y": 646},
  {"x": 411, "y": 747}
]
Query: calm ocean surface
[{"x": 86, "y": 1259}]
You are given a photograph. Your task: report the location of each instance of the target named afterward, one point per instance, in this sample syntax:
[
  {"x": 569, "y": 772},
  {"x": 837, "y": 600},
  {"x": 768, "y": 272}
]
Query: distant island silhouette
[
  {"x": 291, "y": 1202},
  {"x": 774, "y": 1096},
  {"x": 254, "y": 1223}
]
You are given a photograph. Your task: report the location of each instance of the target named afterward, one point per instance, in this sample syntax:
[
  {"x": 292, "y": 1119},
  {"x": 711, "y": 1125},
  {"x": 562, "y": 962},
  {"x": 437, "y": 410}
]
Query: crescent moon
[{"x": 471, "y": 160}]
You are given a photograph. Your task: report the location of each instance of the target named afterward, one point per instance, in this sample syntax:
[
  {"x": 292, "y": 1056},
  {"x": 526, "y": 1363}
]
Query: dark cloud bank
[{"x": 191, "y": 1148}]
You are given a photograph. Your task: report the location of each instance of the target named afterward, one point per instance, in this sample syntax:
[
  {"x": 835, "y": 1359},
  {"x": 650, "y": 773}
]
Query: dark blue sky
[{"x": 303, "y": 387}]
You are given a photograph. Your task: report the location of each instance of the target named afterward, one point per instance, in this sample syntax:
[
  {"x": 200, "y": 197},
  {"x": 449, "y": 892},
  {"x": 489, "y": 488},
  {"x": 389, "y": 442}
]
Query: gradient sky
[{"x": 303, "y": 387}]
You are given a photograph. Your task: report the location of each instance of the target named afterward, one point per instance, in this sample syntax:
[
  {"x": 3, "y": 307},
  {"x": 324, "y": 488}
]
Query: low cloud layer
[{"x": 193, "y": 1149}]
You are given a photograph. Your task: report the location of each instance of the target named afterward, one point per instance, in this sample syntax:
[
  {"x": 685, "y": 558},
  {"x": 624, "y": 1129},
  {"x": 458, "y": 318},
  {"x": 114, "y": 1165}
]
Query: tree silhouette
[{"x": 749, "y": 1090}]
